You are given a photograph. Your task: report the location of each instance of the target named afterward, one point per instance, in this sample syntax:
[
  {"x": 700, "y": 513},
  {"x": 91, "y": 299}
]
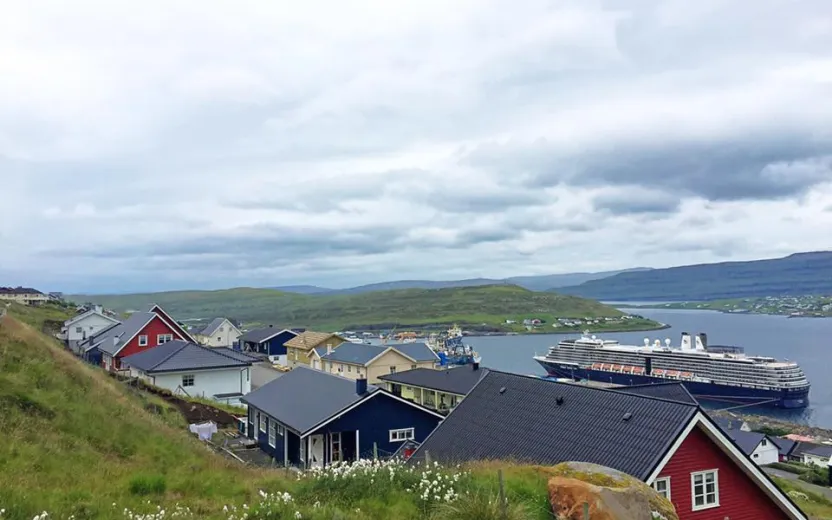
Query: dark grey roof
[
  {"x": 747, "y": 441},
  {"x": 418, "y": 351},
  {"x": 508, "y": 416},
  {"x": 818, "y": 450},
  {"x": 236, "y": 354},
  {"x": 304, "y": 397},
  {"x": 727, "y": 423},
  {"x": 671, "y": 391},
  {"x": 457, "y": 380},
  {"x": 175, "y": 356},
  {"x": 112, "y": 339},
  {"x": 784, "y": 445},
  {"x": 212, "y": 327},
  {"x": 355, "y": 353},
  {"x": 260, "y": 335}
]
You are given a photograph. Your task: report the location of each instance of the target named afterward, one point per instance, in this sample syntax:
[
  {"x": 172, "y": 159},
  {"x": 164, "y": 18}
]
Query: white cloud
[{"x": 211, "y": 144}]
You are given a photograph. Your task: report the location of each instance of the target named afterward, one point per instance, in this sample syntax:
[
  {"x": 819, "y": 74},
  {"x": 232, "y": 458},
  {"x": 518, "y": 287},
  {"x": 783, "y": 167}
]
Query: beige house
[
  {"x": 219, "y": 333},
  {"x": 298, "y": 349},
  {"x": 358, "y": 360},
  {"x": 23, "y": 295},
  {"x": 439, "y": 390}
]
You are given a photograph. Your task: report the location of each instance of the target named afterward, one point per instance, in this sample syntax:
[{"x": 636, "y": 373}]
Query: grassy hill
[
  {"x": 794, "y": 275},
  {"x": 475, "y": 308}
]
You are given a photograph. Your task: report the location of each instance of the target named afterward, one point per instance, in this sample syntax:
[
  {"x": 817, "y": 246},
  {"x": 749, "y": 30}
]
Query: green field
[{"x": 483, "y": 308}]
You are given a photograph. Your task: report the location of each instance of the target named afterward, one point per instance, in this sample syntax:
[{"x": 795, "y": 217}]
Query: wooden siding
[
  {"x": 152, "y": 330},
  {"x": 739, "y": 497},
  {"x": 381, "y": 366}
]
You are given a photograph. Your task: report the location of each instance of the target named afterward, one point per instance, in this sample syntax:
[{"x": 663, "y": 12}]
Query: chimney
[
  {"x": 115, "y": 340},
  {"x": 329, "y": 348},
  {"x": 476, "y": 366},
  {"x": 361, "y": 386}
]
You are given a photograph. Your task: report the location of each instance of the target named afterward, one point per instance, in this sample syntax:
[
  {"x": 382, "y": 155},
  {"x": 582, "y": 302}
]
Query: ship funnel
[
  {"x": 646, "y": 342},
  {"x": 667, "y": 342},
  {"x": 699, "y": 344},
  {"x": 704, "y": 338},
  {"x": 686, "y": 345},
  {"x": 657, "y": 343}
]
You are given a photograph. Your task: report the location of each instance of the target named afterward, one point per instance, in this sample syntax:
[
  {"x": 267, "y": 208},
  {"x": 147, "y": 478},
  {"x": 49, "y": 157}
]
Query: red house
[
  {"x": 656, "y": 433},
  {"x": 140, "y": 332}
]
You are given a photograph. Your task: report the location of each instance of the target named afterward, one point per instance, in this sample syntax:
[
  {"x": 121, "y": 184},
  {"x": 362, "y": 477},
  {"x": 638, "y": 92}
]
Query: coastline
[
  {"x": 661, "y": 326},
  {"x": 726, "y": 311}
]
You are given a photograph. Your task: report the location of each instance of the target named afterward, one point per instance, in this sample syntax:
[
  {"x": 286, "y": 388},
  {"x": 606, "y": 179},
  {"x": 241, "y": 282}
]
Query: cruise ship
[{"x": 710, "y": 373}]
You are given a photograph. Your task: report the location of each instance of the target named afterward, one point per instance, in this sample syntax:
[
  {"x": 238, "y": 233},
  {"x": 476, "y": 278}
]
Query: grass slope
[
  {"x": 482, "y": 307},
  {"x": 794, "y": 275}
]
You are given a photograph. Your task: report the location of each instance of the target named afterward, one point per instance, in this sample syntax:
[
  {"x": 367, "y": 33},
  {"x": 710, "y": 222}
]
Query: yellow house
[
  {"x": 299, "y": 347},
  {"x": 357, "y": 360},
  {"x": 439, "y": 390}
]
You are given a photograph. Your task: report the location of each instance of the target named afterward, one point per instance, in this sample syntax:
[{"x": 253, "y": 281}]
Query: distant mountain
[
  {"x": 416, "y": 284},
  {"x": 302, "y": 289},
  {"x": 553, "y": 281},
  {"x": 797, "y": 274}
]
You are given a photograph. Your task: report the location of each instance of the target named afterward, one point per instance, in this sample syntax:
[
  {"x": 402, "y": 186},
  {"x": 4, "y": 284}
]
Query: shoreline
[
  {"x": 723, "y": 311},
  {"x": 662, "y": 326}
]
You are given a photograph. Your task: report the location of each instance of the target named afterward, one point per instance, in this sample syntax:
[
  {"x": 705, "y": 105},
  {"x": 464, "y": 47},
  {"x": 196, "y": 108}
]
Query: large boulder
[{"x": 610, "y": 494}]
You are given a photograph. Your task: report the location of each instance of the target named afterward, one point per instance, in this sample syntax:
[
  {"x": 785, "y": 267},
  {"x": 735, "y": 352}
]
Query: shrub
[
  {"x": 481, "y": 506},
  {"x": 791, "y": 468},
  {"x": 148, "y": 485}
]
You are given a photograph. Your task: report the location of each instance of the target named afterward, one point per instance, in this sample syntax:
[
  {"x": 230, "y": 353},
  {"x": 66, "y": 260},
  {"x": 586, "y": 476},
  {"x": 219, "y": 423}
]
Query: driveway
[
  {"x": 825, "y": 491},
  {"x": 262, "y": 373}
]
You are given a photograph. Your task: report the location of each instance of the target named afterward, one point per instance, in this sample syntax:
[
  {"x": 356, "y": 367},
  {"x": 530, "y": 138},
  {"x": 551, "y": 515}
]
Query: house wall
[
  {"x": 225, "y": 336},
  {"x": 25, "y": 298},
  {"x": 183, "y": 334},
  {"x": 815, "y": 460},
  {"x": 374, "y": 419},
  {"x": 89, "y": 325},
  {"x": 383, "y": 364},
  {"x": 207, "y": 383},
  {"x": 739, "y": 497},
  {"x": 152, "y": 330},
  {"x": 298, "y": 356},
  {"x": 765, "y": 453},
  {"x": 433, "y": 399}
]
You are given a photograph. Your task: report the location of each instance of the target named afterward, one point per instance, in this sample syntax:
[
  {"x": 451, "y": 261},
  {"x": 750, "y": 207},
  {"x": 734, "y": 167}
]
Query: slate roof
[
  {"x": 509, "y": 416},
  {"x": 177, "y": 355},
  {"x": 212, "y": 327},
  {"x": 260, "y": 335},
  {"x": 457, "y": 380},
  {"x": 416, "y": 350},
  {"x": 304, "y": 397},
  {"x": 308, "y": 340},
  {"x": 747, "y": 441},
  {"x": 123, "y": 332},
  {"x": 670, "y": 391}
]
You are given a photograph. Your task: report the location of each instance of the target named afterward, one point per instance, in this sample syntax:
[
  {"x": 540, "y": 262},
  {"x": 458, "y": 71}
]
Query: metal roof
[
  {"x": 177, "y": 355},
  {"x": 747, "y": 441},
  {"x": 416, "y": 350},
  {"x": 212, "y": 327},
  {"x": 305, "y": 397},
  {"x": 354, "y": 353},
  {"x": 261, "y": 335},
  {"x": 457, "y": 380},
  {"x": 112, "y": 339},
  {"x": 670, "y": 391},
  {"x": 528, "y": 419}
]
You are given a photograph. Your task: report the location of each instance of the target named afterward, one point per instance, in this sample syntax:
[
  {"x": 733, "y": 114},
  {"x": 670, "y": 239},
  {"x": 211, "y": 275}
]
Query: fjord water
[{"x": 804, "y": 340}]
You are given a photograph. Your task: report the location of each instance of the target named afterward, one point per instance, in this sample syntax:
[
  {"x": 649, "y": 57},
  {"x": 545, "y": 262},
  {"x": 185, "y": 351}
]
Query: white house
[
  {"x": 219, "y": 333},
  {"x": 818, "y": 455},
  {"x": 84, "y": 325},
  {"x": 186, "y": 368},
  {"x": 758, "y": 446}
]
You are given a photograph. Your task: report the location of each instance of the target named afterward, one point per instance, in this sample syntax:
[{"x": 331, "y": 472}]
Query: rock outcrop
[{"x": 610, "y": 495}]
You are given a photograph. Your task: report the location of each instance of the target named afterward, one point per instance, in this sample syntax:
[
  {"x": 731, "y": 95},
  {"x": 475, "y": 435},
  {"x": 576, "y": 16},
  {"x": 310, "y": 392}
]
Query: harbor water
[{"x": 804, "y": 340}]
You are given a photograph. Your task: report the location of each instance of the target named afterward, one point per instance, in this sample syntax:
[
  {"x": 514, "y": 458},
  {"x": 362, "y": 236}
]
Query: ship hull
[{"x": 790, "y": 399}]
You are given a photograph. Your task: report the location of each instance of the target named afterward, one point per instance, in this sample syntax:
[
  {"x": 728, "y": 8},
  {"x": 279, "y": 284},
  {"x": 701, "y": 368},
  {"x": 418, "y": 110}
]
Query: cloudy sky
[{"x": 207, "y": 144}]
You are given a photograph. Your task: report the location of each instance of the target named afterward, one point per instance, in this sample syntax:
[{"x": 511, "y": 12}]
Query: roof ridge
[
  {"x": 215, "y": 351},
  {"x": 177, "y": 351},
  {"x": 594, "y": 388}
]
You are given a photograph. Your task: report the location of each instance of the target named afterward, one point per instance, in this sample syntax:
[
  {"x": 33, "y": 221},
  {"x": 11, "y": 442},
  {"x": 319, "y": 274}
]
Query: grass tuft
[{"x": 143, "y": 485}]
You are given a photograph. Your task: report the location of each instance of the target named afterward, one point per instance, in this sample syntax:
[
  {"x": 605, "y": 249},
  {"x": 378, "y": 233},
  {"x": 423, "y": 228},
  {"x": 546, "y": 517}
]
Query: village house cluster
[{"x": 335, "y": 400}]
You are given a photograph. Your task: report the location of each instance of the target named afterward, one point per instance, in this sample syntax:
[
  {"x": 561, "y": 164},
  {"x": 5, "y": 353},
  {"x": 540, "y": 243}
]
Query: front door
[
  {"x": 335, "y": 447},
  {"x": 316, "y": 451}
]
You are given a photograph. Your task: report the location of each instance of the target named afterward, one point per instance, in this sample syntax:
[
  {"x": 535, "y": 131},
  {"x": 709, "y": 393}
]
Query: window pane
[{"x": 699, "y": 501}]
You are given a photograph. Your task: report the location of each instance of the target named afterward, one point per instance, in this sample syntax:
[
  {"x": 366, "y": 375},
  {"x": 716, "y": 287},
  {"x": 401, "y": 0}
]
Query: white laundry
[{"x": 204, "y": 431}]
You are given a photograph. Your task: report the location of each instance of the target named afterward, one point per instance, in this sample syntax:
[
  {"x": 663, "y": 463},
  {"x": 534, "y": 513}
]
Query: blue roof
[
  {"x": 175, "y": 356},
  {"x": 304, "y": 397}
]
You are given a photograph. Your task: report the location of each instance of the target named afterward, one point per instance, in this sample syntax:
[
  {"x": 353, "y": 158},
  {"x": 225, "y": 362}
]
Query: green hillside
[{"x": 483, "y": 308}]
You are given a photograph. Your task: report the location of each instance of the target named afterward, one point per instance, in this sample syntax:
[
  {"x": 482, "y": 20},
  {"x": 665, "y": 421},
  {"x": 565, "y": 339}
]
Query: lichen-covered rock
[{"x": 610, "y": 494}]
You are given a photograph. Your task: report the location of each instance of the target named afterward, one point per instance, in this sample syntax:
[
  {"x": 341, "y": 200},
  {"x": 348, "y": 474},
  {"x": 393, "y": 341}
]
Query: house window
[
  {"x": 219, "y": 338},
  {"x": 763, "y": 443},
  {"x": 161, "y": 339},
  {"x": 662, "y": 487},
  {"x": 335, "y": 446},
  {"x": 79, "y": 329},
  {"x": 392, "y": 370},
  {"x": 262, "y": 423},
  {"x": 272, "y": 435},
  {"x": 349, "y": 368},
  {"x": 279, "y": 429},
  {"x": 142, "y": 341},
  {"x": 340, "y": 368},
  {"x": 401, "y": 435},
  {"x": 413, "y": 367},
  {"x": 705, "y": 489},
  {"x": 222, "y": 329},
  {"x": 188, "y": 380}
]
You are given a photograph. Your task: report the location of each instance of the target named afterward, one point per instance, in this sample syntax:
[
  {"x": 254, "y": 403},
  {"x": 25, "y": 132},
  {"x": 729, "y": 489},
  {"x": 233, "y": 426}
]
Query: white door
[{"x": 316, "y": 451}]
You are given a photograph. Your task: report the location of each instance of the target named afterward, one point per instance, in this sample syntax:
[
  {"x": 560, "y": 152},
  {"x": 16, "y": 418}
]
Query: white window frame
[
  {"x": 402, "y": 434},
  {"x": 705, "y": 504},
  {"x": 262, "y": 420},
  {"x": 666, "y": 481},
  {"x": 272, "y": 434},
  {"x": 192, "y": 378},
  {"x": 279, "y": 430},
  {"x": 161, "y": 339},
  {"x": 143, "y": 340}
]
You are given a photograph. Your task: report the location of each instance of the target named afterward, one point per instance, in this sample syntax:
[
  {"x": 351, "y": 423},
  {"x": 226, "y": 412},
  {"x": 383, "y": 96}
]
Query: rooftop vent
[
  {"x": 502, "y": 390},
  {"x": 628, "y": 416},
  {"x": 559, "y": 401}
]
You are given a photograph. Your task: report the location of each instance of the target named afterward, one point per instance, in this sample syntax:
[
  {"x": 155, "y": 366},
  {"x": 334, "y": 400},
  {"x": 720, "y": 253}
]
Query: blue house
[
  {"x": 270, "y": 341},
  {"x": 308, "y": 418}
]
